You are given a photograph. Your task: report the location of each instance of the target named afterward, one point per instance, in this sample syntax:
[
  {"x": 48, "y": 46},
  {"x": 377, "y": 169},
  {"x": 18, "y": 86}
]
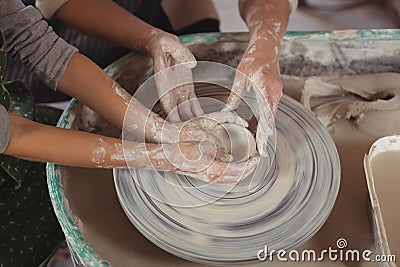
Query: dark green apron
[{"x": 29, "y": 230}]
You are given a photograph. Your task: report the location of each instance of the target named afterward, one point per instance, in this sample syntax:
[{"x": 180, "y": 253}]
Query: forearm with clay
[
  {"x": 267, "y": 22},
  {"x": 75, "y": 148},
  {"x": 259, "y": 68}
]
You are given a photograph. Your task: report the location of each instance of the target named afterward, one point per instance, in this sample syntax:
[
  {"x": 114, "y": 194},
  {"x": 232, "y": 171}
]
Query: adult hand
[
  {"x": 178, "y": 102},
  {"x": 259, "y": 69}
]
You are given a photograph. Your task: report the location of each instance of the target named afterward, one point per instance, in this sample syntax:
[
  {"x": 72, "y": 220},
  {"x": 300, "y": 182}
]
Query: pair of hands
[
  {"x": 207, "y": 163},
  {"x": 189, "y": 148}
]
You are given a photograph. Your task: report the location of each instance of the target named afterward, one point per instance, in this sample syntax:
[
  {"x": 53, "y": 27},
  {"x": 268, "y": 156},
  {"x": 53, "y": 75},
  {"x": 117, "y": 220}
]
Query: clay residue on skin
[
  {"x": 100, "y": 153},
  {"x": 119, "y": 91},
  {"x": 137, "y": 155},
  {"x": 174, "y": 81},
  {"x": 249, "y": 18},
  {"x": 248, "y": 60},
  {"x": 142, "y": 123},
  {"x": 277, "y": 27},
  {"x": 252, "y": 49},
  {"x": 132, "y": 127},
  {"x": 118, "y": 154},
  {"x": 276, "y": 52},
  {"x": 169, "y": 45}
]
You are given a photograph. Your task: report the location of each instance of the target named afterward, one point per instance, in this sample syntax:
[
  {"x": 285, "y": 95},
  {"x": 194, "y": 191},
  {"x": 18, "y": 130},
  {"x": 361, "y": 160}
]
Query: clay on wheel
[{"x": 237, "y": 141}]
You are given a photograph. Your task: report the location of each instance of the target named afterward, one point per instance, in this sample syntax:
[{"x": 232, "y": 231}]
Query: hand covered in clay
[
  {"x": 259, "y": 69},
  {"x": 178, "y": 102},
  {"x": 197, "y": 129},
  {"x": 209, "y": 164},
  {"x": 200, "y": 160},
  {"x": 142, "y": 124}
]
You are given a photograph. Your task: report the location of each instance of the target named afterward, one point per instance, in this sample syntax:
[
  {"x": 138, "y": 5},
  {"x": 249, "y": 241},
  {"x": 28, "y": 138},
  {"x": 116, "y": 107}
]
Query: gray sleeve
[
  {"x": 31, "y": 41},
  {"x": 4, "y": 129},
  {"x": 49, "y": 7}
]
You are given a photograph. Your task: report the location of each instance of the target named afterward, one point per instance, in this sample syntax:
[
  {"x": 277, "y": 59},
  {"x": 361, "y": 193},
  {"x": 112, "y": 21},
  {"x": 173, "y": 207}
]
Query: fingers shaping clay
[{"x": 237, "y": 141}]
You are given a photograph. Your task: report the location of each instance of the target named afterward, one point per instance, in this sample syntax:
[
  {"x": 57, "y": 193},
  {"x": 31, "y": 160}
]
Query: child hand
[
  {"x": 197, "y": 129},
  {"x": 200, "y": 160}
]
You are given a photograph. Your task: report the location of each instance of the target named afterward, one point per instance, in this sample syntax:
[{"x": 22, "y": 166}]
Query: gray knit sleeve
[
  {"x": 4, "y": 129},
  {"x": 30, "y": 40}
]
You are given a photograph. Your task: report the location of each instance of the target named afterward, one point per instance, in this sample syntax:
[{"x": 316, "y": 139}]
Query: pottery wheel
[{"x": 286, "y": 208}]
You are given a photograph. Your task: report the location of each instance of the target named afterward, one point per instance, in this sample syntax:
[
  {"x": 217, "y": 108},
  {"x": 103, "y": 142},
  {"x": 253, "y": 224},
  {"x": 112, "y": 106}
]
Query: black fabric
[{"x": 205, "y": 25}]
